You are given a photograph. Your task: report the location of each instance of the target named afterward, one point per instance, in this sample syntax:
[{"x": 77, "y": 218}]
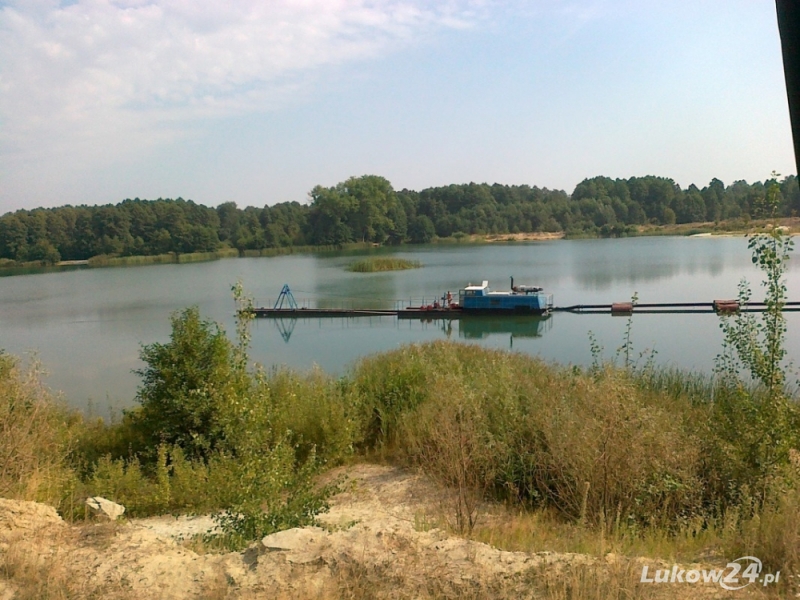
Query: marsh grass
[
  {"x": 204, "y": 256},
  {"x": 375, "y": 265},
  {"x": 103, "y": 260},
  {"x": 284, "y": 250}
]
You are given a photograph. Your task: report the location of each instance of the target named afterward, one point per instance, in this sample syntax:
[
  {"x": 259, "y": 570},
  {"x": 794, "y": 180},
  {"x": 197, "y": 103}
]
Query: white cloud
[{"x": 98, "y": 80}]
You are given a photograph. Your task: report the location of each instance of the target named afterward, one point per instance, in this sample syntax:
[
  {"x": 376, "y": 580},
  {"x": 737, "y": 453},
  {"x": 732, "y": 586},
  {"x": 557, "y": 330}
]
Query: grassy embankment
[
  {"x": 639, "y": 463},
  {"x": 379, "y": 264}
]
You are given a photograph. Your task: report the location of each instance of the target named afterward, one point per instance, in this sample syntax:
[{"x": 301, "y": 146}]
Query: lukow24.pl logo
[{"x": 736, "y": 575}]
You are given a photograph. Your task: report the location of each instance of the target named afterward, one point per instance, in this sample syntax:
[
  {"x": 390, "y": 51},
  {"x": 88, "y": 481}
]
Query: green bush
[
  {"x": 186, "y": 386},
  {"x": 210, "y": 435},
  {"x": 318, "y": 411}
]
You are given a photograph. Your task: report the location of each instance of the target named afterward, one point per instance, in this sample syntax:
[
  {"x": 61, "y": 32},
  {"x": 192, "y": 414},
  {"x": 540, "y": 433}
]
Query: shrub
[
  {"x": 212, "y": 435},
  {"x": 186, "y": 385},
  {"x": 771, "y": 530},
  {"x": 318, "y": 411}
]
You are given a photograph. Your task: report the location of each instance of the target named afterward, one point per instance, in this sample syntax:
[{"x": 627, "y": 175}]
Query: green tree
[
  {"x": 13, "y": 238},
  {"x": 763, "y": 424},
  {"x": 185, "y": 385},
  {"x": 760, "y": 347},
  {"x": 421, "y": 230},
  {"x": 44, "y": 251},
  {"x": 329, "y": 212}
]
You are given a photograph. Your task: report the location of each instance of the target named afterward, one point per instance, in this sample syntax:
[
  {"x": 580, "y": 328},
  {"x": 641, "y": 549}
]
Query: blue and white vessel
[{"x": 521, "y": 299}]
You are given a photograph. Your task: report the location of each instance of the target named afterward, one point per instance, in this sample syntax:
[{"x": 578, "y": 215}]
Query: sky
[{"x": 258, "y": 101}]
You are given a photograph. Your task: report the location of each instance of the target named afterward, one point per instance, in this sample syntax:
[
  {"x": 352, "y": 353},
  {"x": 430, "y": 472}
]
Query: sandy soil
[{"x": 376, "y": 541}]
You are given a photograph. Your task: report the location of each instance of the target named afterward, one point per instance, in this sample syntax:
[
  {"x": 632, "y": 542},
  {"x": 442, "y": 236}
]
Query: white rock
[
  {"x": 302, "y": 545},
  {"x": 298, "y": 539},
  {"x": 107, "y": 508}
]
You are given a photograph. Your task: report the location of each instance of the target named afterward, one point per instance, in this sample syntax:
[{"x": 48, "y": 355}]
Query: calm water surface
[{"x": 87, "y": 326}]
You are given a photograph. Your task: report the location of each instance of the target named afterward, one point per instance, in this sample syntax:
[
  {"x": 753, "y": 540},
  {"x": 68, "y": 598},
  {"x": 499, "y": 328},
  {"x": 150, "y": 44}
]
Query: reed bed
[
  {"x": 284, "y": 250},
  {"x": 376, "y": 265},
  {"x": 169, "y": 257}
]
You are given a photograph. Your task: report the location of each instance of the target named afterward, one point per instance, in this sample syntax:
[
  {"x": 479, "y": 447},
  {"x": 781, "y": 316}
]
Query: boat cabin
[{"x": 520, "y": 299}]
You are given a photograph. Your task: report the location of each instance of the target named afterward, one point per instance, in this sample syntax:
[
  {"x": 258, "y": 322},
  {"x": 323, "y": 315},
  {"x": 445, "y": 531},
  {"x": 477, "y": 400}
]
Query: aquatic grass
[
  {"x": 203, "y": 256},
  {"x": 307, "y": 249},
  {"x": 104, "y": 260},
  {"x": 374, "y": 265}
]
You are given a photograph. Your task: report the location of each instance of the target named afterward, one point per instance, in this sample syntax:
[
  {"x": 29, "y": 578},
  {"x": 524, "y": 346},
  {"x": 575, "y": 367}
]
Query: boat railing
[{"x": 342, "y": 303}]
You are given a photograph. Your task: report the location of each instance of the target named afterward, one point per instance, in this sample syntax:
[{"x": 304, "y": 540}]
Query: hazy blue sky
[{"x": 257, "y": 101}]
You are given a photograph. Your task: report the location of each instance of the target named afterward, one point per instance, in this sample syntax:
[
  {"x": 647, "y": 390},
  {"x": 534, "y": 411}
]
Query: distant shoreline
[{"x": 737, "y": 228}]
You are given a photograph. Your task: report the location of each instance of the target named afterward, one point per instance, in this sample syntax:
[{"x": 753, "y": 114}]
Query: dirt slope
[{"x": 375, "y": 542}]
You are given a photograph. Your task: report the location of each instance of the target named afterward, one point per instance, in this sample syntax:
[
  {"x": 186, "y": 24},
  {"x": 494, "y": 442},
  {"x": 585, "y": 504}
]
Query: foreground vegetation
[
  {"x": 368, "y": 210},
  {"x": 604, "y": 460}
]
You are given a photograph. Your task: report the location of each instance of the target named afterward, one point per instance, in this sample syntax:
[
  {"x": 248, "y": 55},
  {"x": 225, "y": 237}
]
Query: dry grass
[
  {"x": 614, "y": 581},
  {"x": 591, "y": 463},
  {"x": 545, "y": 531},
  {"x": 772, "y": 532},
  {"x": 35, "y": 436},
  {"x": 599, "y": 449},
  {"x": 570, "y": 581},
  {"x": 354, "y": 581},
  {"x": 217, "y": 587},
  {"x": 40, "y": 568}
]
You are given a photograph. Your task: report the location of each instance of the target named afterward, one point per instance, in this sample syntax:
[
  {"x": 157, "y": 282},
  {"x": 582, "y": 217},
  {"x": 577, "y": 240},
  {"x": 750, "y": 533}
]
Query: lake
[{"x": 86, "y": 325}]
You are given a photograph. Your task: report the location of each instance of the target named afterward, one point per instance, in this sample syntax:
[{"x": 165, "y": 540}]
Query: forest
[{"x": 368, "y": 209}]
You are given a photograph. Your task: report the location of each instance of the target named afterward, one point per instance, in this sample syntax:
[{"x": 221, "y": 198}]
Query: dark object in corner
[{"x": 789, "y": 27}]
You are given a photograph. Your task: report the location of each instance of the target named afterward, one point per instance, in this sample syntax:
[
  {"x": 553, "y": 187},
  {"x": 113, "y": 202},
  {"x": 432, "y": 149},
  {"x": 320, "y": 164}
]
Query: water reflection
[
  {"x": 478, "y": 328},
  {"x": 285, "y": 328},
  {"x": 467, "y": 327},
  {"x": 364, "y": 290},
  {"x": 597, "y": 275},
  {"x": 600, "y": 266}
]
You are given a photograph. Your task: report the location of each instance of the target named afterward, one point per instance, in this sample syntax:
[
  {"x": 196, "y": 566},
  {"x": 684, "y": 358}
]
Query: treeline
[{"x": 368, "y": 209}]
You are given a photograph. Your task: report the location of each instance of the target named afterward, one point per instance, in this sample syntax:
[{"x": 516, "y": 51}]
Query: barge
[
  {"x": 521, "y": 299},
  {"x": 481, "y": 300}
]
